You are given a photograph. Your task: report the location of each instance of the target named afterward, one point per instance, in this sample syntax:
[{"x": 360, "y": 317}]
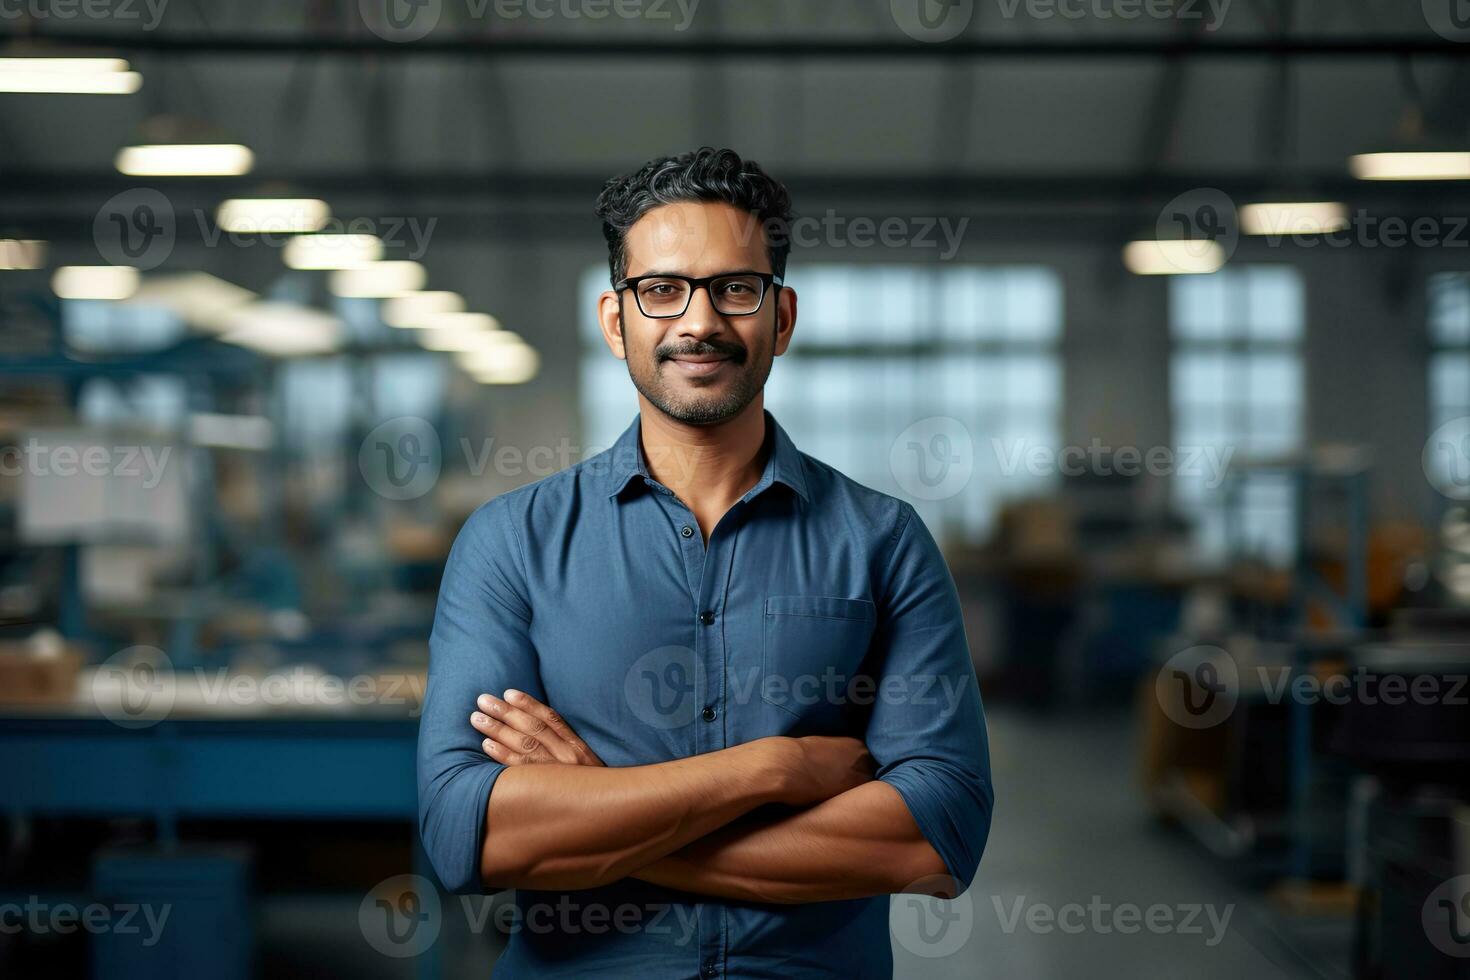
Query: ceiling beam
[
  {"x": 28, "y": 192},
  {"x": 464, "y": 45}
]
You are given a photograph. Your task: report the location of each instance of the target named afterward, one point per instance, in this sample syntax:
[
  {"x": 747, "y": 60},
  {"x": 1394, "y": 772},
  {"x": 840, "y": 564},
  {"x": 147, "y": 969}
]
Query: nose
[{"x": 700, "y": 320}]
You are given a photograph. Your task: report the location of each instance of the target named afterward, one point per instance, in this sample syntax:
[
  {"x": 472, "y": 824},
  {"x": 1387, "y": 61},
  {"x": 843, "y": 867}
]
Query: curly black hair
[{"x": 705, "y": 174}]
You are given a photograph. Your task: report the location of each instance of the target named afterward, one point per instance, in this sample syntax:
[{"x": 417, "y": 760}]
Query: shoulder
[
  {"x": 882, "y": 516},
  {"x": 549, "y": 499}
]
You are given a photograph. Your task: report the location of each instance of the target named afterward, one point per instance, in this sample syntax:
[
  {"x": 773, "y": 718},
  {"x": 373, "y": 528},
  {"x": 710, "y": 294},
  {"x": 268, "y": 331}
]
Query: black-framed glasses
[{"x": 666, "y": 295}]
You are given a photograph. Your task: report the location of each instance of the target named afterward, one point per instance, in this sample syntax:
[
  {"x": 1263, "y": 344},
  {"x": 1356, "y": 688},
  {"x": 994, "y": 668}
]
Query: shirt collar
[{"x": 784, "y": 466}]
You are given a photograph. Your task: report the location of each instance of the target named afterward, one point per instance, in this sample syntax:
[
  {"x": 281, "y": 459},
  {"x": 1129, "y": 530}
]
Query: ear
[
  {"x": 785, "y": 318},
  {"x": 609, "y": 320}
]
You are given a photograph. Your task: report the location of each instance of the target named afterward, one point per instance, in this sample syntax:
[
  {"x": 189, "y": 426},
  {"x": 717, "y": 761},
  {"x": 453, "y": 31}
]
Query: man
[{"x": 703, "y": 701}]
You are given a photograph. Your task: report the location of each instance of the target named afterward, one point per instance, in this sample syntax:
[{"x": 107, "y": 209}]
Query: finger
[
  {"x": 524, "y": 732},
  {"x": 493, "y": 729},
  {"x": 511, "y": 739},
  {"x": 505, "y": 755},
  {"x": 555, "y": 722}
]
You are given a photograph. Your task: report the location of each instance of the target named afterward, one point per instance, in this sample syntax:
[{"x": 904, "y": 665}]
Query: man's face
[{"x": 703, "y": 367}]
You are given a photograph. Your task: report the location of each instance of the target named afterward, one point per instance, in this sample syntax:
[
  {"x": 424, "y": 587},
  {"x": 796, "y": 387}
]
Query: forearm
[
  {"x": 861, "y": 843},
  {"x": 566, "y": 826}
]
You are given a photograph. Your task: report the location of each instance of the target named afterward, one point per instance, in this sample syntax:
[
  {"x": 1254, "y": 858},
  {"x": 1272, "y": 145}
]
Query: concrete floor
[{"x": 1070, "y": 830}]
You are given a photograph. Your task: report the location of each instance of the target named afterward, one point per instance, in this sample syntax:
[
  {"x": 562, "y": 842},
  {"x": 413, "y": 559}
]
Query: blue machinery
[
  {"x": 261, "y": 767},
  {"x": 70, "y": 761},
  {"x": 1350, "y": 484}
]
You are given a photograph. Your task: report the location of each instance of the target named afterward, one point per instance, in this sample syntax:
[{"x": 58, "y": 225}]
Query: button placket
[{"x": 712, "y": 731}]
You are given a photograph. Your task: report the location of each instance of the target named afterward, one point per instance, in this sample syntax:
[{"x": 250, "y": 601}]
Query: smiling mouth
[{"x": 699, "y": 365}]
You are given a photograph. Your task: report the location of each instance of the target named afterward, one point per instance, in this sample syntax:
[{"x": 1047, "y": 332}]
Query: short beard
[{"x": 710, "y": 410}]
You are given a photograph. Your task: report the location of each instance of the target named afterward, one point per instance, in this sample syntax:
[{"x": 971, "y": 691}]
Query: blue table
[{"x": 70, "y": 760}]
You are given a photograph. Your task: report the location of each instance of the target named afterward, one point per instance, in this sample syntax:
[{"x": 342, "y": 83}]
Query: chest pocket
[{"x": 813, "y": 648}]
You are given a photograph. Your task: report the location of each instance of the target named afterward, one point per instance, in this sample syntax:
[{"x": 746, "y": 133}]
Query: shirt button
[
  {"x": 708, "y": 715},
  {"x": 687, "y": 531},
  {"x": 707, "y": 617},
  {"x": 711, "y": 971}
]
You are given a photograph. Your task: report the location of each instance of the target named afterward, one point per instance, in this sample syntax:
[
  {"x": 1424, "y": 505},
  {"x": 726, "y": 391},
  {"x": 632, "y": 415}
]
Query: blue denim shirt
[{"x": 818, "y": 606}]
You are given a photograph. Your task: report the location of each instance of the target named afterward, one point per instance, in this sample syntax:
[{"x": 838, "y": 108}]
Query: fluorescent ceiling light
[
  {"x": 463, "y": 332},
  {"x": 461, "y": 321},
  {"x": 1300, "y": 218},
  {"x": 185, "y": 160},
  {"x": 512, "y": 364},
  {"x": 64, "y": 66},
  {"x": 413, "y": 309},
  {"x": 282, "y": 329},
  {"x": 1173, "y": 257},
  {"x": 95, "y": 281},
  {"x": 378, "y": 280},
  {"x": 20, "y": 253},
  {"x": 458, "y": 339},
  {"x": 485, "y": 354},
  {"x": 1411, "y": 166},
  {"x": 197, "y": 298},
  {"x": 332, "y": 251},
  {"x": 96, "y": 76},
  {"x": 69, "y": 83},
  {"x": 279, "y": 215}
]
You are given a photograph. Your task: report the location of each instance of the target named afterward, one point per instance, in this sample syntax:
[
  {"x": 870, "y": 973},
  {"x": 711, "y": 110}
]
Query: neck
[{"x": 708, "y": 466}]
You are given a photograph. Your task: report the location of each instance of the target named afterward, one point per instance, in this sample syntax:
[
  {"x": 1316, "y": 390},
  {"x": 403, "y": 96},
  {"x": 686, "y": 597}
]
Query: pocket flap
[{"x": 823, "y": 606}]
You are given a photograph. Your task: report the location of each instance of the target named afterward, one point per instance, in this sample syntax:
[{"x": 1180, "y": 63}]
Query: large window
[
  {"x": 1449, "y": 338},
  {"x": 1237, "y": 389},
  {"x": 879, "y": 348},
  {"x": 1449, "y": 375}
]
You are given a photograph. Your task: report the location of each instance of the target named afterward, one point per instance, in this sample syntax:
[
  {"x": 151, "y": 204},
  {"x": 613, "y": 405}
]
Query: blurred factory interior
[{"x": 1164, "y": 329}]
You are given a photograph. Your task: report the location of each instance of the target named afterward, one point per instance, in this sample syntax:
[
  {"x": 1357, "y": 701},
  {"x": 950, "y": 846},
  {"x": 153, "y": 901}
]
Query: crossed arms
[
  {"x": 772, "y": 820},
  {"x": 558, "y": 818}
]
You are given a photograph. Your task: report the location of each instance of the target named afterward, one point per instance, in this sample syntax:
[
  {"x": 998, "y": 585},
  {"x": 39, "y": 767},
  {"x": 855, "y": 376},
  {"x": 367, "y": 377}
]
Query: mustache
[{"x": 733, "y": 351}]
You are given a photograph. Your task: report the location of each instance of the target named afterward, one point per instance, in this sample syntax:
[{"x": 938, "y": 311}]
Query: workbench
[{"x": 263, "y": 762}]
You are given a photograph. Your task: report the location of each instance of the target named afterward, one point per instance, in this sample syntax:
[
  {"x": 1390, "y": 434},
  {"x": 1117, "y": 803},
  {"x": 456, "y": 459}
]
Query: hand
[
  {"x": 519, "y": 730},
  {"x": 825, "y": 766}
]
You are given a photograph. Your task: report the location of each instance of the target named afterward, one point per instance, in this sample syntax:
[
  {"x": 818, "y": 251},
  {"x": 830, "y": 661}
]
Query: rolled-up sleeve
[
  {"x": 927, "y": 727},
  {"x": 480, "y": 643}
]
